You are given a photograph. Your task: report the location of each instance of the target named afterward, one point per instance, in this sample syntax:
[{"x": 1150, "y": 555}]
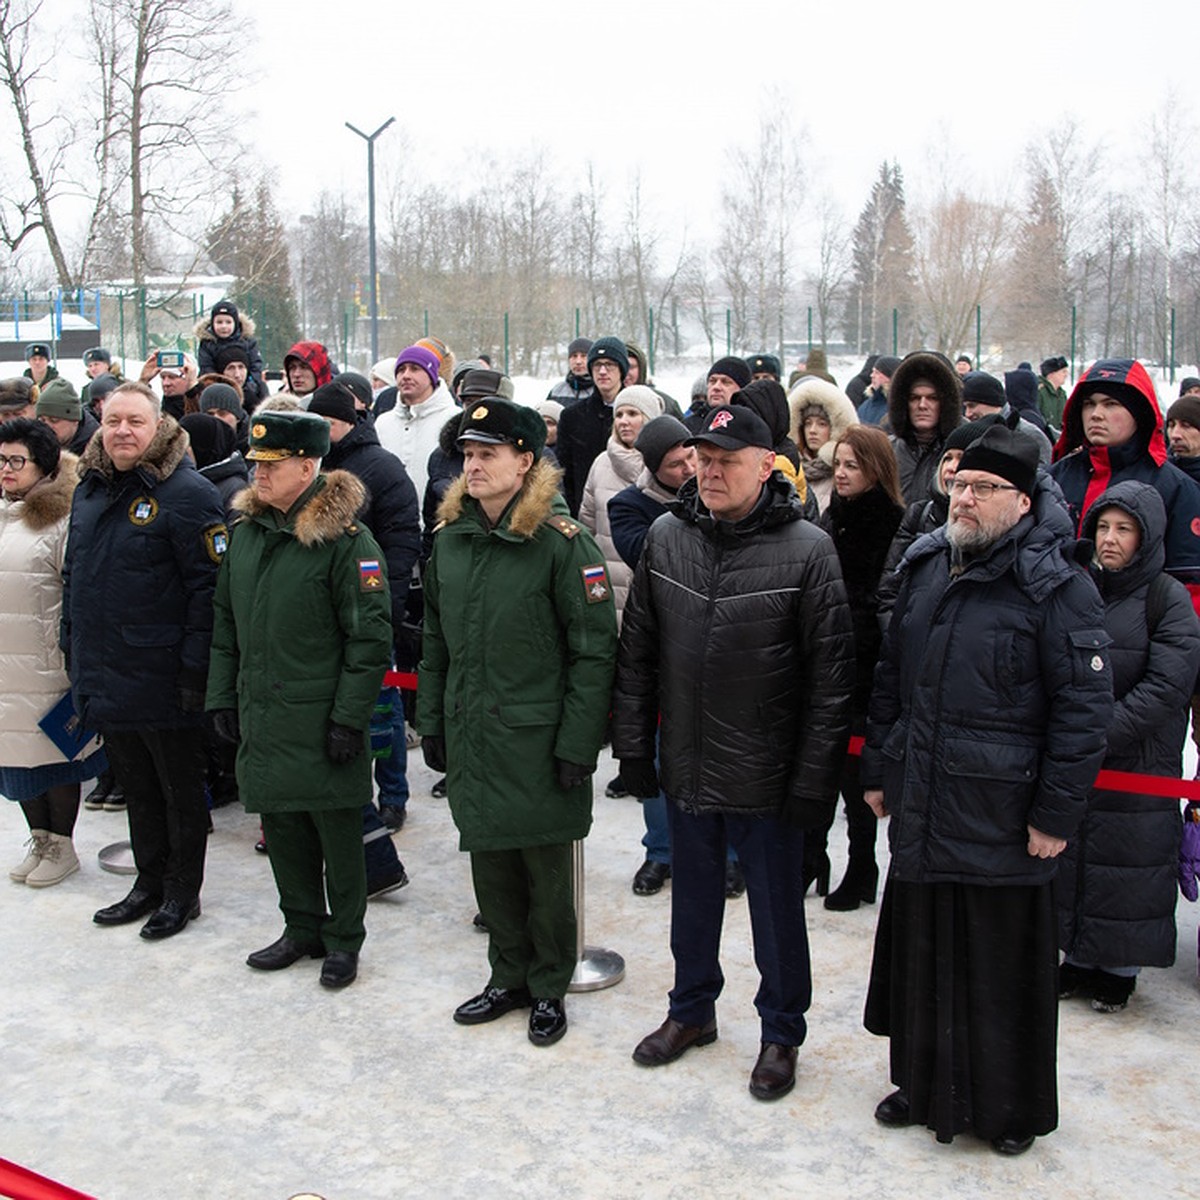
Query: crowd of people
[{"x": 988, "y": 584}]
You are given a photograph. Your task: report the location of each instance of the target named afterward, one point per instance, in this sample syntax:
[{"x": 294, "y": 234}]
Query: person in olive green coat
[
  {"x": 519, "y": 652},
  {"x": 301, "y": 640}
]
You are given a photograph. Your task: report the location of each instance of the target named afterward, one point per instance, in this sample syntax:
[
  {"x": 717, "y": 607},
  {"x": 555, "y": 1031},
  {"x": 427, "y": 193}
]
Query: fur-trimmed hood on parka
[
  {"x": 244, "y": 328},
  {"x": 940, "y": 373},
  {"x": 835, "y": 404},
  {"x": 166, "y": 451},
  {"x": 532, "y": 505},
  {"x": 327, "y": 513},
  {"x": 49, "y": 500}
]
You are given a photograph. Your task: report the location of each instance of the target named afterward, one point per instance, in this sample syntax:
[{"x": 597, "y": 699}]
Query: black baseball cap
[{"x": 734, "y": 428}]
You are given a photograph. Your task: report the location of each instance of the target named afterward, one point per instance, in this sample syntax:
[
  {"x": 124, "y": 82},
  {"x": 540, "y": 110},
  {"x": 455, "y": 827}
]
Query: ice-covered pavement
[{"x": 139, "y": 1071}]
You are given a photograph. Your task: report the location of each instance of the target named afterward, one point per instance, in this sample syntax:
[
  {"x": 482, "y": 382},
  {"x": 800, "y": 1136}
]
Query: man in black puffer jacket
[
  {"x": 736, "y": 629},
  {"x": 985, "y": 730}
]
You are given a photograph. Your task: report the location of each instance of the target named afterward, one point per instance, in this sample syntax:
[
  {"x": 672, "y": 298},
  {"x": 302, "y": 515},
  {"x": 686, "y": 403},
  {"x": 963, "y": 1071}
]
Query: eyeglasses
[
  {"x": 16, "y": 461},
  {"x": 982, "y": 490}
]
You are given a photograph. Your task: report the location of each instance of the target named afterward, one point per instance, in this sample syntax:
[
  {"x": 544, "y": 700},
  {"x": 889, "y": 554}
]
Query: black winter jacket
[
  {"x": 990, "y": 705},
  {"x": 229, "y": 476},
  {"x": 141, "y": 563},
  {"x": 1115, "y": 889},
  {"x": 862, "y": 530},
  {"x": 583, "y": 432},
  {"x": 87, "y": 427},
  {"x": 918, "y": 462},
  {"x": 390, "y": 512},
  {"x": 740, "y": 635}
]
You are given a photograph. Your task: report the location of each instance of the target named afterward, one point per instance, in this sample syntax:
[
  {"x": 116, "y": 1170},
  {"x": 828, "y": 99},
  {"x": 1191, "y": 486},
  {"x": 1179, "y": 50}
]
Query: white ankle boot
[
  {"x": 39, "y": 839},
  {"x": 58, "y": 861}
]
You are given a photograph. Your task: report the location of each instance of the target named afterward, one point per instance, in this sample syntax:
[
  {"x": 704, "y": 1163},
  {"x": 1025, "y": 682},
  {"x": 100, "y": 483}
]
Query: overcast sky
[{"x": 630, "y": 85}]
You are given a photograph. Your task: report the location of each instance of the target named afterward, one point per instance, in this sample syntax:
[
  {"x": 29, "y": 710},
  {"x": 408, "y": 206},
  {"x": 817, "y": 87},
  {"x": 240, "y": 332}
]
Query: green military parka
[
  {"x": 518, "y": 658},
  {"x": 302, "y": 636}
]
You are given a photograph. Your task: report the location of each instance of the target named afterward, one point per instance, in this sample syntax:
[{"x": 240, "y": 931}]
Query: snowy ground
[{"x": 135, "y": 1069}]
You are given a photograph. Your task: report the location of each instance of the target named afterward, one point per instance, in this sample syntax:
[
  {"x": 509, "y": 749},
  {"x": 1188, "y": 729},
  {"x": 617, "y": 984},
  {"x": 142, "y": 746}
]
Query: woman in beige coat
[
  {"x": 37, "y": 481},
  {"x": 612, "y": 472}
]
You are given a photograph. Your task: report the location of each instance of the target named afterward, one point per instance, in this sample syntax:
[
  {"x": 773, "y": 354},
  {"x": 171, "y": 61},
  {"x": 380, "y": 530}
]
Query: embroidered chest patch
[
  {"x": 370, "y": 575},
  {"x": 143, "y": 510},
  {"x": 595, "y": 583}
]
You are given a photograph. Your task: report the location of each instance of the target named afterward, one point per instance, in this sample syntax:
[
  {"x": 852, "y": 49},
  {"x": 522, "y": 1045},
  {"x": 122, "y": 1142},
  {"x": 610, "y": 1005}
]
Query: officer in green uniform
[
  {"x": 302, "y": 637},
  {"x": 519, "y": 652}
]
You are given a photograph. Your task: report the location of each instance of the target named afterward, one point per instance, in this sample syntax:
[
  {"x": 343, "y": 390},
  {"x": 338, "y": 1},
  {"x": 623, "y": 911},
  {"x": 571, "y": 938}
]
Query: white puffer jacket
[
  {"x": 33, "y": 538},
  {"x": 612, "y": 472}
]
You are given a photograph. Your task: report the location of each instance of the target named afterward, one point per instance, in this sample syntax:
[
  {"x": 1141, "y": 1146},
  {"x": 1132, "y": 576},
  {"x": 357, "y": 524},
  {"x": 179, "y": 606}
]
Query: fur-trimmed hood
[
  {"x": 49, "y": 500},
  {"x": 940, "y": 372},
  {"x": 532, "y": 505},
  {"x": 166, "y": 451},
  {"x": 244, "y": 328},
  {"x": 833, "y": 402},
  {"x": 327, "y": 513}
]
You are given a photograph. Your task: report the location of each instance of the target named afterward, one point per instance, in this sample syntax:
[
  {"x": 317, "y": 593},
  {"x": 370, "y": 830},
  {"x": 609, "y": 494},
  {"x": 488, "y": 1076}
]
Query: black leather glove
[
  {"x": 343, "y": 744},
  {"x": 433, "y": 747},
  {"x": 226, "y": 725},
  {"x": 189, "y": 692},
  {"x": 572, "y": 774},
  {"x": 640, "y": 777}
]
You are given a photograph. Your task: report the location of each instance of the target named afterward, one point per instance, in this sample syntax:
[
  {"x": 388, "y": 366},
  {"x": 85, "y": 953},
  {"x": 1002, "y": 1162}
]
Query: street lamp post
[{"x": 369, "y": 138}]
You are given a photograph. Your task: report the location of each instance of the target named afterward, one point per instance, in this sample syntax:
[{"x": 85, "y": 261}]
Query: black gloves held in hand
[
  {"x": 572, "y": 774},
  {"x": 343, "y": 744},
  {"x": 640, "y": 777},
  {"x": 433, "y": 747},
  {"x": 226, "y": 725}
]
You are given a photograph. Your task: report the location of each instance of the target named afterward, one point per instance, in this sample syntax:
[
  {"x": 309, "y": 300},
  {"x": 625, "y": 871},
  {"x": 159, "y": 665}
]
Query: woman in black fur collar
[{"x": 864, "y": 512}]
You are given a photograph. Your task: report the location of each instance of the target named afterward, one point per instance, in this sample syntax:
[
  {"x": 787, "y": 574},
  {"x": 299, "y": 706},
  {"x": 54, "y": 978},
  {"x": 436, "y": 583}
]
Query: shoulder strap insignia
[{"x": 564, "y": 525}]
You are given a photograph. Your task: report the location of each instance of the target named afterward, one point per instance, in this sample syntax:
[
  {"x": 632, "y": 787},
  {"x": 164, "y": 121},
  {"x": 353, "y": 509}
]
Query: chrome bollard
[
  {"x": 118, "y": 859},
  {"x": 596, "y": 968}
]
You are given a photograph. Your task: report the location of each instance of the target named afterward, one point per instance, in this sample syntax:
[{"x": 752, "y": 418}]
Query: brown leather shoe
[
  {"x": 774, "y": 1074},
  {"x": 670, "y": 1040}
]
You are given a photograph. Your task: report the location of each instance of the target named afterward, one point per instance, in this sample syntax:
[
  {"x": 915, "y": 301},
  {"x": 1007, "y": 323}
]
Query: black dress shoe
[
  {"x": 774, "y": 1074},
  {"x": 547, "y": 1022},
  {"x": 134, "y": 907},
  {"x": 339, "y": 969},
  {"x": 282, "y": 953},
  {"x": 491, "y": 1003},
  {"x": 650, "y": 878},
  {"x": 1011, "y": 1145},
  {"x": 171, "y": 918},
  {"x": 670, "y": 1040},
  {"x": 893, "y": 1110}
]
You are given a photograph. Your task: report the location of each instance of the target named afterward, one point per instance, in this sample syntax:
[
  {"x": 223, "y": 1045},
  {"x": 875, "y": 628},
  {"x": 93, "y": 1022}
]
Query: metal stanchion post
[
  {"x": 596, "y": 968},
  {"x": 118, "y": 859}
]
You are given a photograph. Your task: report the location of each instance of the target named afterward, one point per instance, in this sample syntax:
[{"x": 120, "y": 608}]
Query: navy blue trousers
[{"x": 771, "y": 854}]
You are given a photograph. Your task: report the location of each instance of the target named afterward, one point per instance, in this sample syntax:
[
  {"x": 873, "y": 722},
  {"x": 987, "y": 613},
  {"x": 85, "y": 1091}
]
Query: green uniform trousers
[
  {"x": 526, "y": 899},
  {"x": 314, "y": 854}
]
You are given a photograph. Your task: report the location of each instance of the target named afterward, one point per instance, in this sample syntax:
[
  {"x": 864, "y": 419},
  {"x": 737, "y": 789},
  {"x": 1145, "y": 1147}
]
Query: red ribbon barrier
[
  {"x": 1122, "y": 781},
  {"x": 401, "y": 679},
  {"x": 20, "y": 1183}
]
